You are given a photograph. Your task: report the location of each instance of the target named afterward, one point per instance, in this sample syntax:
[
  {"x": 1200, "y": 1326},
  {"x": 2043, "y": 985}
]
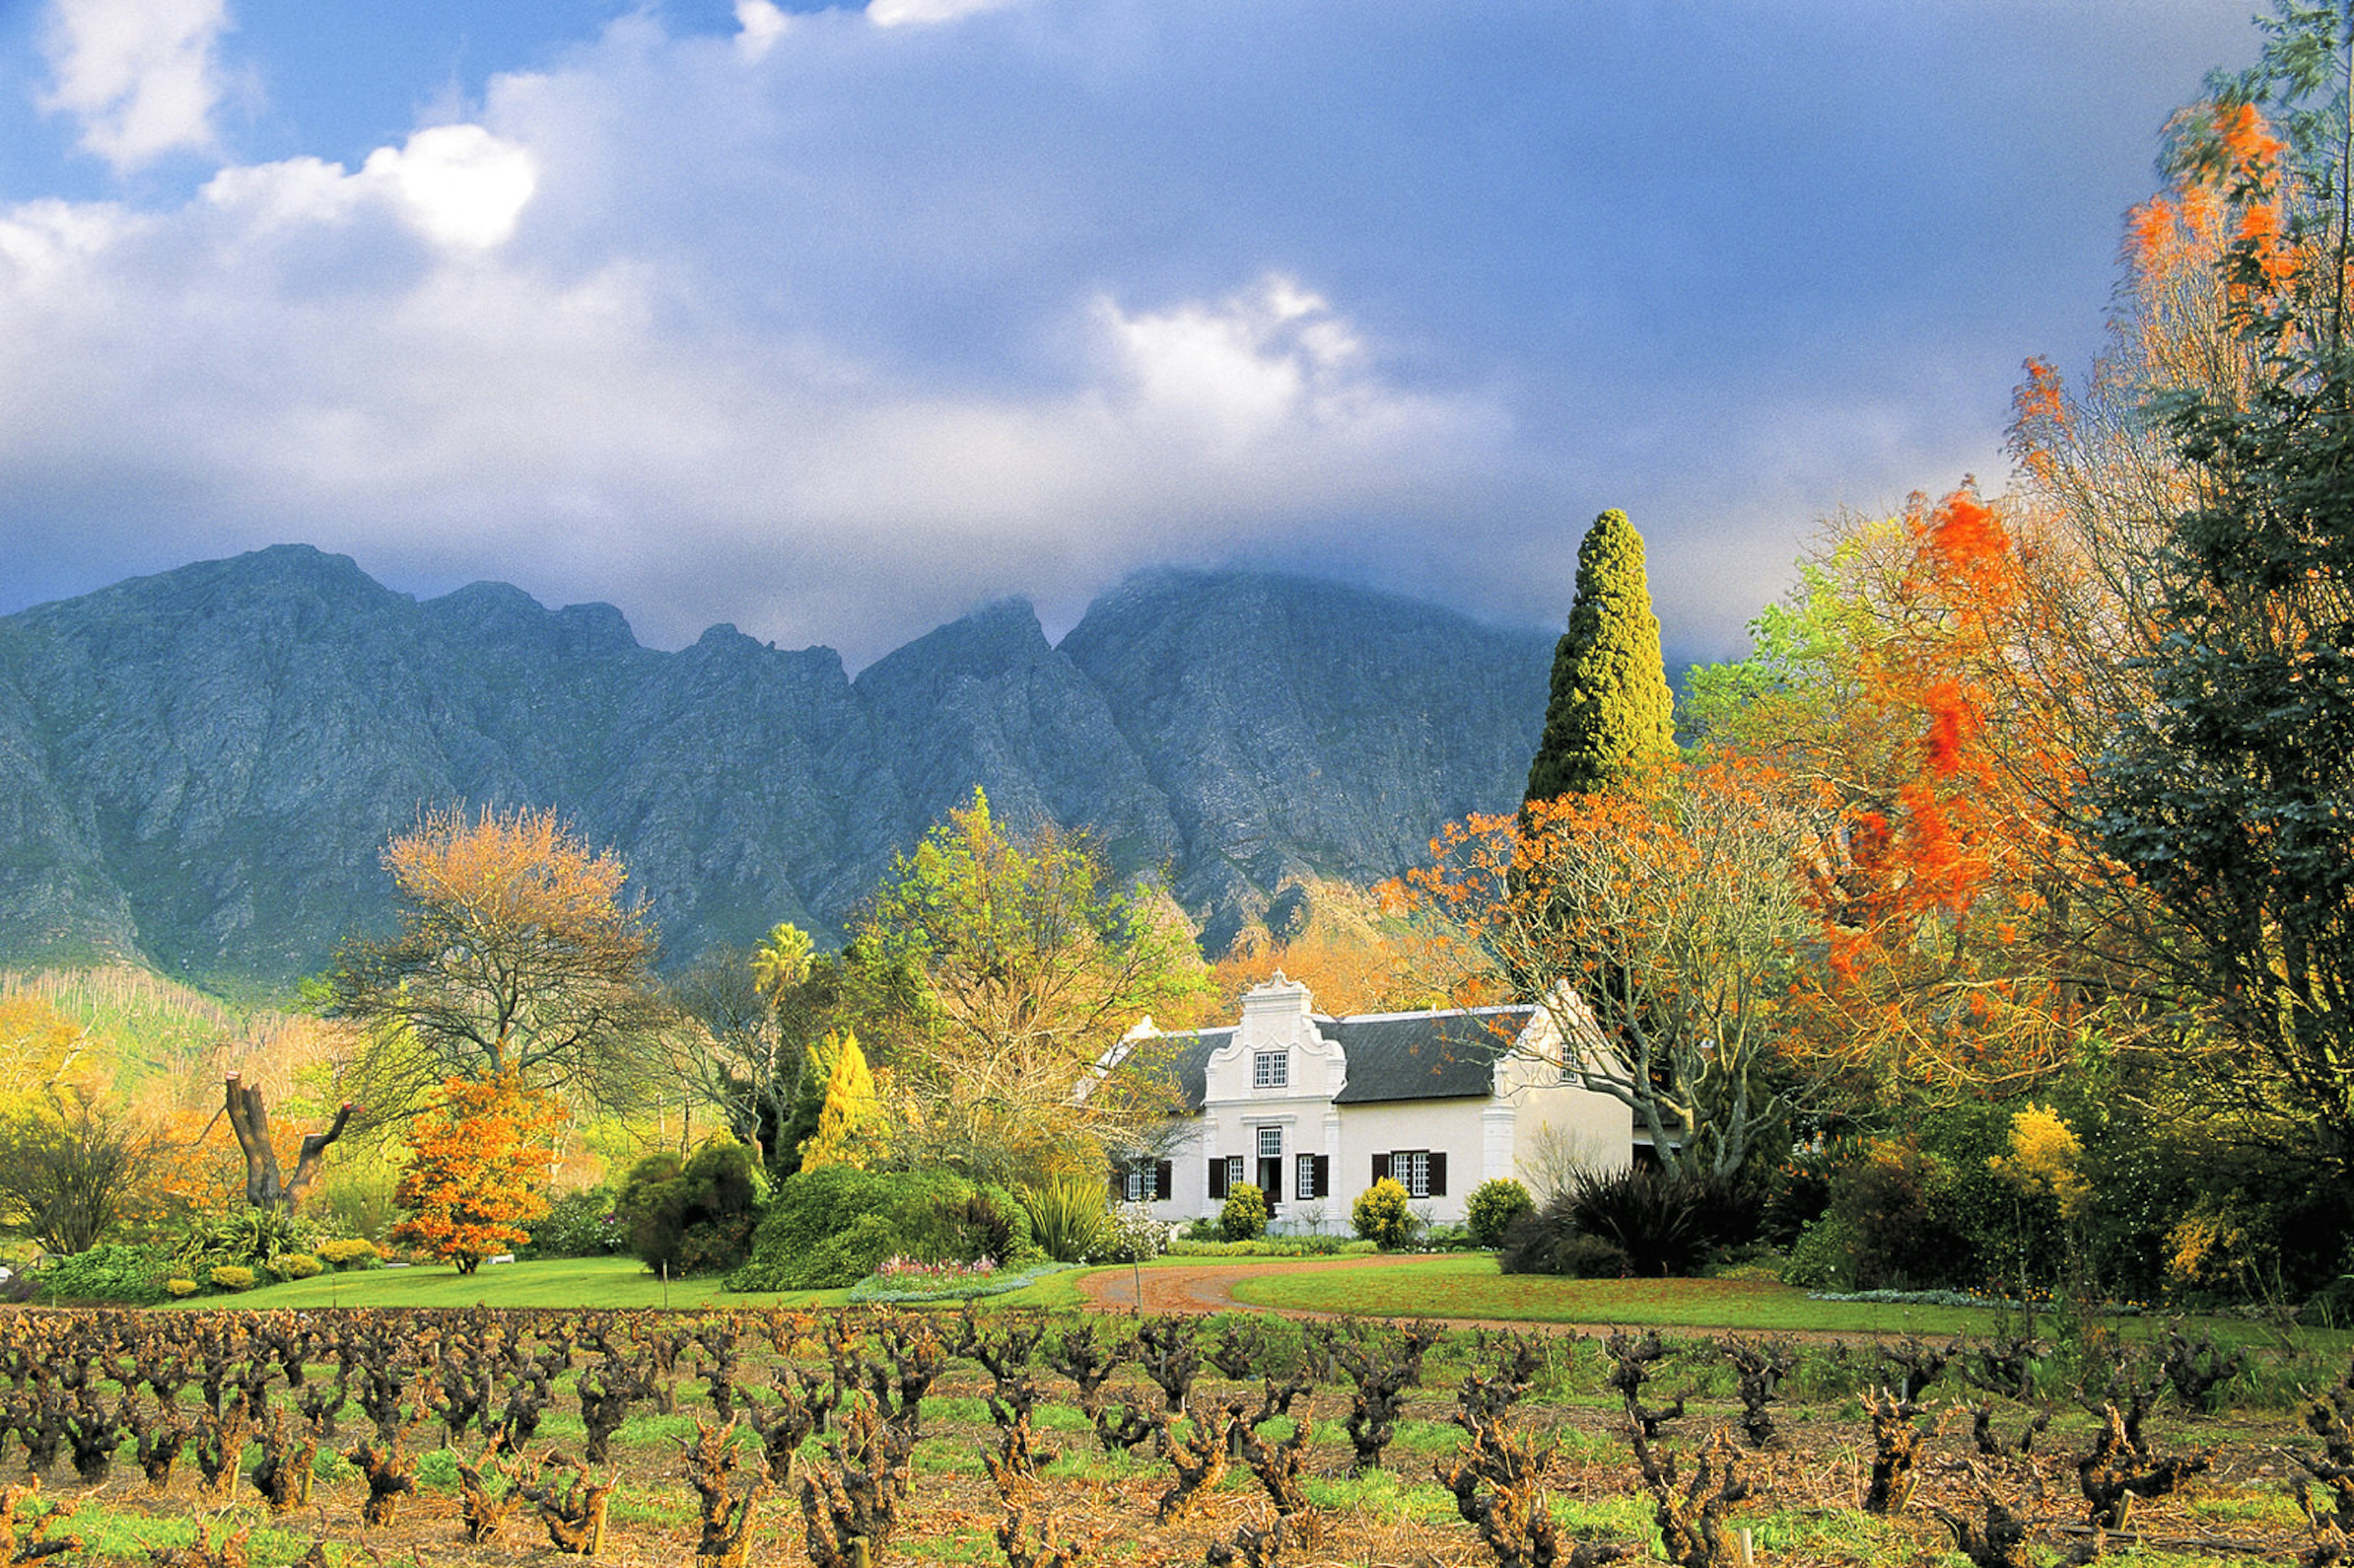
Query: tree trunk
[{"x": 265, "y": 1186}]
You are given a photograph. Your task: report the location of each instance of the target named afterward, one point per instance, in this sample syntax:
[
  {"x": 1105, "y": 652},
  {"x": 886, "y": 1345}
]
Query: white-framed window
[
  {"x": 1234, "y": 1176},
  {"x": 1410, "y": 1168},
  {"x": 1270, "y": 1143},
  {"x": 1139, "y": 1181},
  {"x": 1271, "y": 1070},
  {"x": 1303, "y": 1182}
]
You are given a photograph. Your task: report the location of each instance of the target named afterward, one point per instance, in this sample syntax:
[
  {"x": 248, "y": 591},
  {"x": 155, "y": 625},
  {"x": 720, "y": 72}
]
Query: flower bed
[{"x": 906, "y": 1279}]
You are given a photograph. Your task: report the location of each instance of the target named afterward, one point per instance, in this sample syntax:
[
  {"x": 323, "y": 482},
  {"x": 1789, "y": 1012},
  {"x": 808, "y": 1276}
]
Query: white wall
[{"x": 1529, "y": 1111}]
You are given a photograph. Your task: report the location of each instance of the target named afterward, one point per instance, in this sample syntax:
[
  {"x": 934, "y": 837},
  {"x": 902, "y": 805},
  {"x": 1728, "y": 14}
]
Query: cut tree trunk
[{"x": 265, "y": 1186}]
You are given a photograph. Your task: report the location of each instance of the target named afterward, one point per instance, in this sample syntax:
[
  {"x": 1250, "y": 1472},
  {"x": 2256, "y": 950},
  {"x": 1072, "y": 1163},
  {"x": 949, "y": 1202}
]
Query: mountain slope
[{"x": 199, "y": 769}]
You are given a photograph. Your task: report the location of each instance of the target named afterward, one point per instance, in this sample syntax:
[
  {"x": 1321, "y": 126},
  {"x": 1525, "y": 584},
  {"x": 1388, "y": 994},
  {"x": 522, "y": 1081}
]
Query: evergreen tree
[
  {"x": 1610, "y": 704},
  {"x": 849, "y": 1124}
]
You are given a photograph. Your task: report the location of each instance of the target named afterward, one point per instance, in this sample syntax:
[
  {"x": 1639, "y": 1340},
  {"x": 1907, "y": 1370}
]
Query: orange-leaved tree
[
  {"x": 478, "y": 1168},
  {"x": 1917, "y": 685},
  {"x": 1950, "y": 955},
  {"x": 1655, "y": 920}
]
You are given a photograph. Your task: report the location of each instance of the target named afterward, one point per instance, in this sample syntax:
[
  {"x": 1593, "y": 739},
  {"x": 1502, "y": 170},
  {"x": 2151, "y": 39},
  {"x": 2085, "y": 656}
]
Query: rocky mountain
[{"x": 199, "y": 769}]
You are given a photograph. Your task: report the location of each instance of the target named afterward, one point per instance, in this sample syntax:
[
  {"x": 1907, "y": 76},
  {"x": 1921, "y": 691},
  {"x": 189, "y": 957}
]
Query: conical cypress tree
[{"x": 1610, "y": 704}]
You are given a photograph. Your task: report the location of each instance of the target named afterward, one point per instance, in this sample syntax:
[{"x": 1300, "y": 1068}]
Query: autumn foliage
[
  {"x": 478, "y": 1163},
  {"x": 517, "y": 953},
  {"x": 1948, "y": 780},
  {"x": 1656, "y": 919}
]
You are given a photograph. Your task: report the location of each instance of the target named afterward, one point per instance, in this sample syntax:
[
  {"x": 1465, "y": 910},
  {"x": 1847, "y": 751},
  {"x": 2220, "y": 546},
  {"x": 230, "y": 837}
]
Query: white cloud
[
  {"x": 461, "y": 185},
  {"x": 906, "y": 13},
  {"x": 759, "y": 24},
  {"x": 139, "y": 74}
]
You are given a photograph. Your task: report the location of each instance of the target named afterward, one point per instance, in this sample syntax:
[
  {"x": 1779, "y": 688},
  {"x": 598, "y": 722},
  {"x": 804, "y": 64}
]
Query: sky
[{"x": 835, "y": 323}]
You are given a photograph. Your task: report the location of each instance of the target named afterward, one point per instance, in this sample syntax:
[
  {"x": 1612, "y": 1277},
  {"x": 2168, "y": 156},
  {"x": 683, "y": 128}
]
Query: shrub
[
  {"x": 1132, "y": 1236},
  {"x": 1581, "y": 1256},
  {"x": 1823, "y": 1257},
  {"x": 115, "y": 1272},
  {"x": 1244, "y": 1218},
  {"x": 1540, "y": 1242},
  {"x": 1663, "y": 1223},
  {"x": 1493, "y": 1206},
  {"x": 249, "y": 1237},
  {"x": 1384, "y": 1214},
  {"x": 296, "y": 1266},
  {"x": 830, "y": 1227},
  {"x": 1901, "y": 1233},
  {"x": 1272, "y": 1247},
  {"x": 256, "y": 1235},
  {"x": 232, "y": 1277},
  {"x": 695, "y": 1217},
  {"x": 181, "y": 1288},
  {"x": 349, "y": 1253},
  {"x": 1068, "y": 1217},
  {"x": 1637, "y": 1219},
  {"x": 586, "y": 1223}
]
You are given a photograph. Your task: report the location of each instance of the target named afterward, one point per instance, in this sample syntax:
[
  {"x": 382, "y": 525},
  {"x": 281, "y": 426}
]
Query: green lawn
[
  {"x": 572, "y": 1282},
  {"x": 575, "y": 1282},
  {"x": 1470, "y": 1286}
]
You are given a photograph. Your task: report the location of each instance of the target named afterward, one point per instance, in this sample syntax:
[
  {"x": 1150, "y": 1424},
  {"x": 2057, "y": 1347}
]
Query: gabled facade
[{"x": 1314, "y": 1109}]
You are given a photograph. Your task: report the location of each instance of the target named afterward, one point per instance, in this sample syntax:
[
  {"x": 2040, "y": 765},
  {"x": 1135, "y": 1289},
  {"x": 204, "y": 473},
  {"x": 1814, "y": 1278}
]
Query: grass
[
  {"x": 571, "y": 1282},
  {"x": 1471, "y": 1287}
]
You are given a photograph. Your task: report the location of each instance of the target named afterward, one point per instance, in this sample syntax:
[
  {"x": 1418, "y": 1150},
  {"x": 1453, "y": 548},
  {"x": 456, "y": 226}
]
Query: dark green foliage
[
  {"x": 1494, "y": 1205},
  {"x": 1652, "y": 1217},
  {"x": 579, "y": 1224},
  {"x": 695, "y": 1217},
  {"x": 1536, "y": 1241},
  {"x": 125, "y": 1274},
  {"x": 1641, "y": 1219},
  {"x": 1897, "y": 1206},
  {"x": 829, "y": 1227},
  {"x": 1611, "y": 705}
]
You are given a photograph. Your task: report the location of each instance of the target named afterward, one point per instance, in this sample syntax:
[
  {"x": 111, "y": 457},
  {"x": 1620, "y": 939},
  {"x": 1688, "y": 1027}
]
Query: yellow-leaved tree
[{"x": 852, "y": 1129}]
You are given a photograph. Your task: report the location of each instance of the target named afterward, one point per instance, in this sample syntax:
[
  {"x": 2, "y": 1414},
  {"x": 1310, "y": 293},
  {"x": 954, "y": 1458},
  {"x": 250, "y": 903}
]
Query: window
[
  {"x": 1313, "y": 1178},
  {"x": 1270, "y": 1143},
  {"x": 1271, "y": 1070},
  {"x": 1421, "y": 1172},
  {"x": 1234, "y": 1176},
  {"x": 1138, "y": 1185}
]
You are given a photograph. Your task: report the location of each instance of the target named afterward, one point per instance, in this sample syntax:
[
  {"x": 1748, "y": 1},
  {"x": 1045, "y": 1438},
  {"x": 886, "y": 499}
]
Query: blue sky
[{"x": 835, "y": 323}]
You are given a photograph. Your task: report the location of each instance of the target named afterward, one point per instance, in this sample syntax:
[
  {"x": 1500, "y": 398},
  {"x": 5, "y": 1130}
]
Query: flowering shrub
[{"x": 909, "y": 1271}]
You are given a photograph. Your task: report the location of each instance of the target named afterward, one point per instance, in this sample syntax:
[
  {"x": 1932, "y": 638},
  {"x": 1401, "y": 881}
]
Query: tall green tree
[
  {"x": 1610, "y": 707},
  {"x": 2230, "y": 793}
]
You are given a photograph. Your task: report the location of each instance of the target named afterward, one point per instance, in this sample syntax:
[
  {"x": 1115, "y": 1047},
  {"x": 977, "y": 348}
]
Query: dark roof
[
  {"x": 1393, "y": 1056},
  {"x": 1424, "y": 1056},
  {"x": 1186, "y": 1058}
]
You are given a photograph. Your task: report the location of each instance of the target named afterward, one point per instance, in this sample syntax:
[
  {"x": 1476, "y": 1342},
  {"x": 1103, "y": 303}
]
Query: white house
[{"x": 1314, "y": 1109}]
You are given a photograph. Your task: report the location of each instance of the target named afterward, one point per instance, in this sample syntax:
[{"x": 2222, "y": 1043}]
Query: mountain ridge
[{"x": 198, "y": 769}]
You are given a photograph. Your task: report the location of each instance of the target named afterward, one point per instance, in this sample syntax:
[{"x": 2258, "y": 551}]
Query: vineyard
[{"x": 754, "y": 1437}]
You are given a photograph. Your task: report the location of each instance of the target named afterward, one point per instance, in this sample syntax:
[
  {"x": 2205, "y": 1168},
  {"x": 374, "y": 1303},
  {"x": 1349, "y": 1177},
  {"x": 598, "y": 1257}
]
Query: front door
[{"x": 1270, "y": 1166}]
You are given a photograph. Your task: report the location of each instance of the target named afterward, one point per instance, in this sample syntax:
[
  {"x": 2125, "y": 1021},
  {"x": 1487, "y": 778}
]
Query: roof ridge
[{"x": 1434, "y": 1013}]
